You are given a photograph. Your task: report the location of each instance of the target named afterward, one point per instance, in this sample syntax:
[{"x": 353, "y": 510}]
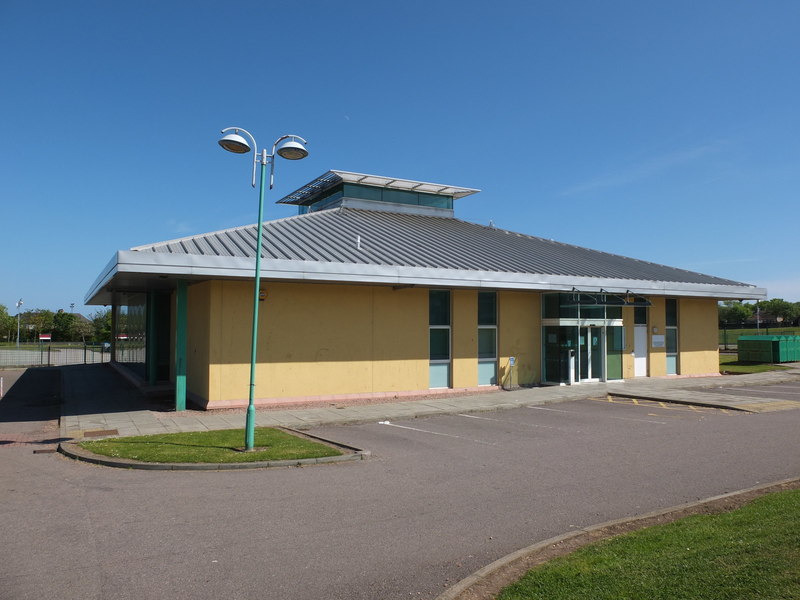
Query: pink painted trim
[
  {"x": 685, "y": 376},
  {"x": 364, "y": 398}
]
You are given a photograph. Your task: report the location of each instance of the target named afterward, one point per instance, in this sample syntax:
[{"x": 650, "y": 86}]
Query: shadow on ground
[
  {"x": 35, "y": 396},
  {"x": 44, "y": 393}
]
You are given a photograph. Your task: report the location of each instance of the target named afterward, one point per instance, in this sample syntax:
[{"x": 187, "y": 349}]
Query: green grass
[
  {"x": 211, "y": 447},
  {"x": 753, "y": 552},
  {"x": 729, "y": 363}
]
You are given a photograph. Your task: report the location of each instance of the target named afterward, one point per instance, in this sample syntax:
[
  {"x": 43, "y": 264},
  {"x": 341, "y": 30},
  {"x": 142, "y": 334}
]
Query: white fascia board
[
  {"x": 211, "y": 267},
  {"x": 106, "y": 275}
]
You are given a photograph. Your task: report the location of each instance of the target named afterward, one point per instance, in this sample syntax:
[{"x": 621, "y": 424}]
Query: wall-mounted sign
[{"x": 658, "y": 341}]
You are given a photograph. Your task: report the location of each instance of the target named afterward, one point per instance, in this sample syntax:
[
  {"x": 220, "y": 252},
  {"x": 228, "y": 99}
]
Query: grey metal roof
[
  {"x": 347, "y": 236},
  {"x": 334, "y": 177}
]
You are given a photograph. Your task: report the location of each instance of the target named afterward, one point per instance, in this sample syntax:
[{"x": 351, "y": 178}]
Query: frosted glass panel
[
  {"x": 440, "y": 375},
  {"x": 672, "y": 365},
  {"x": 487, "y": 372}
]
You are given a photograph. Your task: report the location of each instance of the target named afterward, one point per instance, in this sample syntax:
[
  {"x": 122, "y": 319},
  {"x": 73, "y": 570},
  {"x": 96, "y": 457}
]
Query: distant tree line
[
  {"x": 64, "y": 326},
  {"x": 777, "y": 310}
]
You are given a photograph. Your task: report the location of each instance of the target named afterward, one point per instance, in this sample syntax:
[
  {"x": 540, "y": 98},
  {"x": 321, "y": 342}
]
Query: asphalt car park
[
  {"x": 789, "y": 391},
  {"x": 440, "y": 498}
]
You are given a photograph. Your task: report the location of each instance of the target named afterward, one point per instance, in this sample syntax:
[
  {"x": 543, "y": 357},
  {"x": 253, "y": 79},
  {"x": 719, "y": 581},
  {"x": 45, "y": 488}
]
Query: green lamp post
[{"x": 291, "y": 148}]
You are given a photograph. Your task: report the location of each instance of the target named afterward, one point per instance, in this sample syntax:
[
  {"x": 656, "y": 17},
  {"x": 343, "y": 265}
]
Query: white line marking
[
  {"x": 552, "y": 409},
  {"x": 506, "y": 421},
  {"x": 795, "y": 393},
  {"x": 608, "y": 416},
  {"x": 435, "y": 433}
]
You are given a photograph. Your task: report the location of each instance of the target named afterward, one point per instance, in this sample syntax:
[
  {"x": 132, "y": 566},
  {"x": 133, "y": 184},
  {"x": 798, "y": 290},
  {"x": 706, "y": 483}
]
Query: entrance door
[
  {"x": 590, "y": 355},
  {"x": 640, "y": 351}
]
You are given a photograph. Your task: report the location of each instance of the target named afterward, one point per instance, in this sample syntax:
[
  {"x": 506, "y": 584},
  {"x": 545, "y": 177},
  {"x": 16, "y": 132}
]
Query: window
[
  {"x": 672, "y": 335},
  {"x": 487, "y": 338},
  {"x": 439, "y": 338},
  {"x": 352, "y": 190}
]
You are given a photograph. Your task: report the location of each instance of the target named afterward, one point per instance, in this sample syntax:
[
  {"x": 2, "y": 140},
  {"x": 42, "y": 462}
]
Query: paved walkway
[{"x": 98, "y": 402}]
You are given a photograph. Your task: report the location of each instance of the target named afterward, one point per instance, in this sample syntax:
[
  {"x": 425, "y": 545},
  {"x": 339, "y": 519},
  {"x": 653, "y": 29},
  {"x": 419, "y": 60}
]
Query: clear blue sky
[{"x": 666, "y": 131}]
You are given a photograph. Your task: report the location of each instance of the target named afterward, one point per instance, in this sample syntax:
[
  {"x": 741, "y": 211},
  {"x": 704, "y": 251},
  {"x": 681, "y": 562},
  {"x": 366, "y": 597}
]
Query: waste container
[
  {"x": 790, "y": 348},
  {"x": 757, "y": 348}
]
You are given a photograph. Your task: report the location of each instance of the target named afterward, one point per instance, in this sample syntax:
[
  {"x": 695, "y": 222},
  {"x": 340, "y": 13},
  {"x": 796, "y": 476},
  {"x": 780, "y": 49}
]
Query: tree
[
  {"x": 101, "y": 324},
  {"x": 38, "y": 321},
  {"x": 779, "y": 309},
  {"x": 81, "y": 329},
  {"x": 735, "y": 311},
  {"x": 62, "y": 326},
  {"x": 8, "y": 325}
]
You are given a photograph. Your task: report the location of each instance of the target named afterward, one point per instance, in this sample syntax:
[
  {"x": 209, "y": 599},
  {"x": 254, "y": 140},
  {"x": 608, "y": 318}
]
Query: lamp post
[
  {"x": 19, "y": 303},
  {"x": 292, "y": 148}
]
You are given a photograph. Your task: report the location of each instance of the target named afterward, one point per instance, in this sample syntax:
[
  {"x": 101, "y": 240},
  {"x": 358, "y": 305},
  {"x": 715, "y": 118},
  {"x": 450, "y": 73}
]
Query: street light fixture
[
  {"x": 19, "y": 303},
  {"x": 292, "y": 148}
]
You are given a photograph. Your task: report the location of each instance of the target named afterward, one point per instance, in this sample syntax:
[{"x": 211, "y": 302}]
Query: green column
[
  {"x": 151, "y": 357},
  {"x": 180, "y": 346},
  {"x": 114, "y": 332}
]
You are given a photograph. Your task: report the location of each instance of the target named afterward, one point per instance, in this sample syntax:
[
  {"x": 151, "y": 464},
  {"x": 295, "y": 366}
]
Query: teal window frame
[
  {"x": 487, "y": 338},
  {"x": 439, "y": 330},
  {"x": 671, "y": 336}
]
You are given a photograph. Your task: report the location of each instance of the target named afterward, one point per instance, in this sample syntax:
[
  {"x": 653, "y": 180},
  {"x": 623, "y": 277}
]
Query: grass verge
[
  {"x": 223, "y": 446},
  {"x": 729, "y": 363},
  {"x": 752, "y": 552}
]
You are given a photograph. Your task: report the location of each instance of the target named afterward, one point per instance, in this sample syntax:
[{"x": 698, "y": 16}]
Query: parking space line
[
  {"x": 506, "y": 421},
  {"x": 795, "y": 394},
  {"x": 390, "y": 424},
  {"x": 552, "y": 409},
  {"x": 609, "y": 416}
]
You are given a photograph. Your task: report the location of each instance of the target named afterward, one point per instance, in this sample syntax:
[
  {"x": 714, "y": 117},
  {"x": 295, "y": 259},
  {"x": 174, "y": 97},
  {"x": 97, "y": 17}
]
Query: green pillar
[
  {"x": 180, "y": 346},
  {"x": 151, "y": 351},
  {"x": 114, "y": 332}
]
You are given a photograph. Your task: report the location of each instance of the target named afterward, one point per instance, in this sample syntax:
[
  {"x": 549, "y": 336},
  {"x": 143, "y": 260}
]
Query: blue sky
[{"x": 666, "y": 131}]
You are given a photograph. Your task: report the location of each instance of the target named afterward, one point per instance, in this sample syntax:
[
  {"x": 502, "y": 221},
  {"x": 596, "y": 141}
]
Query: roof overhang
[
  {"x": 334, "y": 177},
  {"x": 132, "y": 271}
]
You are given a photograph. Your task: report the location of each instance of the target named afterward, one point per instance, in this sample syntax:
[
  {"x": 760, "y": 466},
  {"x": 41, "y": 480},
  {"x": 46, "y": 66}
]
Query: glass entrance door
[{"x": 590, "y": 353}]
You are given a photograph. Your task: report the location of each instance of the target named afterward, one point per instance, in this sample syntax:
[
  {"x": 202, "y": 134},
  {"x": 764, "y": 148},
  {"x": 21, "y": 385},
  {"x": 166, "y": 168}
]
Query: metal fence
[
  {"x": 52, "y": 355},
  {"x": 729, "y": 333}
]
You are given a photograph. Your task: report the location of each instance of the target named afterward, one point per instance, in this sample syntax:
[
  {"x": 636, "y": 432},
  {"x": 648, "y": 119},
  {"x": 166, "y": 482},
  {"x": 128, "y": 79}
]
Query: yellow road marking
[{"x": 673, "y": 407}]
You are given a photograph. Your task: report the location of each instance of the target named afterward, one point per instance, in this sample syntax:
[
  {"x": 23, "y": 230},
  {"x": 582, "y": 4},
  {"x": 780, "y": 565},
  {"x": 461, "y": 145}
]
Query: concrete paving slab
[{"x": 96, "y": 398}]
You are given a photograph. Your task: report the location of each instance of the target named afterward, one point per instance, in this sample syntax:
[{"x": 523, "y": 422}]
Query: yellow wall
[
  {"x": 627, "y": 351},
  {"x": 198, "y": 341},
  {"x": 325, "y": 339},
  {"x": 698, "y": 342},
  {"x": 519, "y": 335},
  {"x": 464, "y": 328},
  {"x": 365, "y": 339}
]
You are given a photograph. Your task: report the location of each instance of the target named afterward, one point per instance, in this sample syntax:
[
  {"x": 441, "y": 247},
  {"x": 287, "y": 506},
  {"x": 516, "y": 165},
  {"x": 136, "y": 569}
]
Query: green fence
[{"x": 729, "y": 337}]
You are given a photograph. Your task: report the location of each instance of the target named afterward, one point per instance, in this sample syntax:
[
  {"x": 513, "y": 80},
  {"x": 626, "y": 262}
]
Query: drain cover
[{"x": 100, "y": 432}]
